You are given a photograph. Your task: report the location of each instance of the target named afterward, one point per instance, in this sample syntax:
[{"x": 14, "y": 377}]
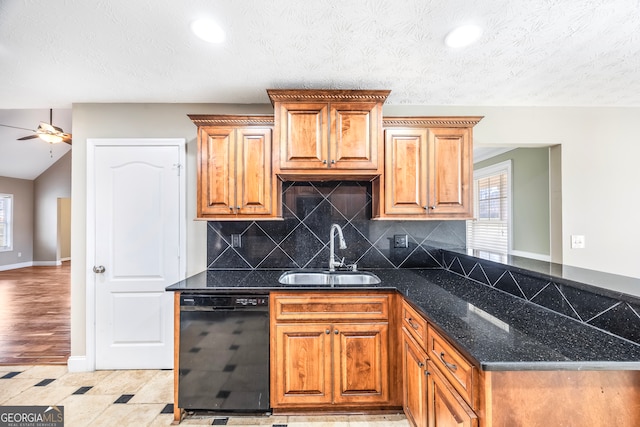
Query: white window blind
[
  {"x": 490, "y": 228},
  {"x": 6, "y": 216}
]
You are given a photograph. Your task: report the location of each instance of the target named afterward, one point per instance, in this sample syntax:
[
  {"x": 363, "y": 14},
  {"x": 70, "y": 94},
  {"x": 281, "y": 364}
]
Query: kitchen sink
[{"x": 328, "y": 278}]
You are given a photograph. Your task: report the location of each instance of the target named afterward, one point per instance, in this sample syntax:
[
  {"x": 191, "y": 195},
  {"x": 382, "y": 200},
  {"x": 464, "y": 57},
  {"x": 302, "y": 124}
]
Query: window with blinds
[
  {"x": 6, "y": 213},
  {"x": 492, "y": 205}
]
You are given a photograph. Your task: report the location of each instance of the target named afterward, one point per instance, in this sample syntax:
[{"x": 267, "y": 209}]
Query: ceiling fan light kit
[{"x": 51, "y": 139}]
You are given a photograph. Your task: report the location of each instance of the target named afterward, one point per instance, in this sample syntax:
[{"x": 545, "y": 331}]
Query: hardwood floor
[{"x": 35, "y": 315}]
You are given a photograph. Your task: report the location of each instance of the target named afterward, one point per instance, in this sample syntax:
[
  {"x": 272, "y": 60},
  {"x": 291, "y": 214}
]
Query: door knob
[{"x": 98, "y": 269}]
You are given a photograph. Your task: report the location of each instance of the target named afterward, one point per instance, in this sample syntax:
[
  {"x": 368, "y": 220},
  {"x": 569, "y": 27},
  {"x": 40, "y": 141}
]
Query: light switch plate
[
  {"x": 236, "y": 241},
  {"x": 577, "y": 241}
]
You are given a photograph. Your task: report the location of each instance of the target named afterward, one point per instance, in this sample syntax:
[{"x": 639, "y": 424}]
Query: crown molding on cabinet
[
  {"x": 327, "y": 95},
  {"x": 431, "y": 121},
  {"x": 230, "y": 120}
]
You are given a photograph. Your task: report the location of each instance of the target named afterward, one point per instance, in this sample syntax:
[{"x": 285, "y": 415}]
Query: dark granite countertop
[{"x": 493, "y": 328}]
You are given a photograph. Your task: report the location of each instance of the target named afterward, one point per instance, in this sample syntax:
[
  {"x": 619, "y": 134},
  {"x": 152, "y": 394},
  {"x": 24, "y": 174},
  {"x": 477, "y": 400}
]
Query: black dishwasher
[{"x": 224, "y": 353}]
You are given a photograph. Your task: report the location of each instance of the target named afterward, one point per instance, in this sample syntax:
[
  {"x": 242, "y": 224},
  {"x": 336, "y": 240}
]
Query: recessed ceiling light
[
  {"x": 463, "y": 36},
  {"x": 208, "y": 31}
]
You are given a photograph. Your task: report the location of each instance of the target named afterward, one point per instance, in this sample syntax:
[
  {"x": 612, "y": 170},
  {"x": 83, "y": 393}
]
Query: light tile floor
[{"x": 137, "y": 398}]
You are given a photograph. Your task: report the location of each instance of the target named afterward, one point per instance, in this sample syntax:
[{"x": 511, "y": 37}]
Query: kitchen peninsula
[{"x": 527, "y": 364}]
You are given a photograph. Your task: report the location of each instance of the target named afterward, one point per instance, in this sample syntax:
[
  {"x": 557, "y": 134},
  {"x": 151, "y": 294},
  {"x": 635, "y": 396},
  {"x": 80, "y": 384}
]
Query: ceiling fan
[{"x": 46, "y": 131}]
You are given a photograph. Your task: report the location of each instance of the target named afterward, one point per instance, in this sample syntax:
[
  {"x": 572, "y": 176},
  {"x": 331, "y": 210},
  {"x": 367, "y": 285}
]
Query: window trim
[
  {"x": 494, "y": 170},
  {"x": 9, "y": 222}
]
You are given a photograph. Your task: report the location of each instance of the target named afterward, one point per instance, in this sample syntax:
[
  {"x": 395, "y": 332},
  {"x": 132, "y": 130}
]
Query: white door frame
[{"x": 90, "y": 300}]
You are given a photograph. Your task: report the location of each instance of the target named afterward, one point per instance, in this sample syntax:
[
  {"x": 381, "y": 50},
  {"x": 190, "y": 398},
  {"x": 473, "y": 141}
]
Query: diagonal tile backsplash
[{"x": 301, "y": 239}]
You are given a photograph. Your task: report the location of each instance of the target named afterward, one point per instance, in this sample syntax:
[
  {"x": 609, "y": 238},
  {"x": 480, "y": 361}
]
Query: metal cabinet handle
[
  {"x": 324, "y": 162},
  {"x": 449, "y": 366},
  {"x": 333, "y": 162},
  {"x": 420, "y": 364},
  {"x": 413, "y": 325},
  {"x": 336, "y": 332},
  {"x": 327, "y": 332},
  {"x": 98, "y": 269}
]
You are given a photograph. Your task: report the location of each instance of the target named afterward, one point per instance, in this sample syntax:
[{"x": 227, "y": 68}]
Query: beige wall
[
  {"x": 22, "y": 190},
  {"x": 599, "y": 177},
  {"x": 49, "y": 186}
]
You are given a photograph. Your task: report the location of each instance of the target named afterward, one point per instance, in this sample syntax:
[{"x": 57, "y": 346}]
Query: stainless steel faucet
[{"x": 343, "y": 245}]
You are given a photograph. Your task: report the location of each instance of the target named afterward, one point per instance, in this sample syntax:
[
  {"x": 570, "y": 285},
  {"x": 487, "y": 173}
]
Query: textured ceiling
[
  {"x": 533, "y": 52},
  {"x": 538, "y": 52}
]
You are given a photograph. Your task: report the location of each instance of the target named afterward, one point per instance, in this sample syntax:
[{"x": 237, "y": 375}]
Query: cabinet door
[
  {"x": 405, "y": 190},
  {"x": 302, "y": 374},
  {"x": 354, "y": 135},
  {"x": 450, "y": 169},
  {"x": 216, "y": 171},
  {"x": 253, "y": 180},
  {"x": 445, "y": 408},
  {"x": 361, "y": 363},
  {"x": 304, "y": 139},
  {"x": 414, "y": 361}
]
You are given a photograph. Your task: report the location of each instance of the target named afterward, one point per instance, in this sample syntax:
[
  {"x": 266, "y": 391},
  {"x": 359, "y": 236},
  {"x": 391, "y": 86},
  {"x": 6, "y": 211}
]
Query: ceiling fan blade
[
  {"x": 16, "y": 127},
  {"x": 24, "y": 138},
  {"x": 66, "y": 137},
  {"x": 46, "y": 128}
]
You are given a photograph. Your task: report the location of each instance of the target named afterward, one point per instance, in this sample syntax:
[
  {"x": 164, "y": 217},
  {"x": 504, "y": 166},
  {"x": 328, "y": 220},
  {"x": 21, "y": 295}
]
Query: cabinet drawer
[
  {"x": 415, "y": 324},
  {"x": 323, "y": 307},
  {"x": 458, "y": 370}
]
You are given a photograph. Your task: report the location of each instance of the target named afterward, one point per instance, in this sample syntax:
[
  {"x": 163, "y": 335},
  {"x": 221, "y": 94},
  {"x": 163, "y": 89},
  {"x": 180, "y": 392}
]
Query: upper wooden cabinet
[
  {"x": 428, "y": 169},
  {"x": 328, "y": 133},
  {"x": 235, "y": 178}
]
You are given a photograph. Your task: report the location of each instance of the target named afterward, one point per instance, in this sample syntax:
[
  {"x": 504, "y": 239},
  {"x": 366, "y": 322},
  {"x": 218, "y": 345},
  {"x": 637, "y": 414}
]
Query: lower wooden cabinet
[
  {"x": 430, "y": 397},
  {"x": 303, "y": 365},
  {"x": 445, "y": 407},
  {"x": 414, "y": 375},
  {"x": 342, "y": 363}
]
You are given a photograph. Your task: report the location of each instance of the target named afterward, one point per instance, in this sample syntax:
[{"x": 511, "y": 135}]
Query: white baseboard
[
  {"x": 14, "y": 266},
  {"x": 78, "y": 364},
  {"x": 532, "y": 255},
  {"x": 46, "y": 263},
  {"x": 65, "y": 259}
]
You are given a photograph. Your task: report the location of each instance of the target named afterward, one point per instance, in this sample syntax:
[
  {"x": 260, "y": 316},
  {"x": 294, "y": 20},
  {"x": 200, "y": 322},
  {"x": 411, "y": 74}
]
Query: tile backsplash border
[{"x": 618, "y": 316}]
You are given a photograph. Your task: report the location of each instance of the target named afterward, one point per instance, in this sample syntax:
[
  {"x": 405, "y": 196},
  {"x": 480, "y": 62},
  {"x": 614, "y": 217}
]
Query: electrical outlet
[
  {"x": 236, "y": 241},
  {"x": 400, "y": 241},
  {"x": 577, "y": 241}
]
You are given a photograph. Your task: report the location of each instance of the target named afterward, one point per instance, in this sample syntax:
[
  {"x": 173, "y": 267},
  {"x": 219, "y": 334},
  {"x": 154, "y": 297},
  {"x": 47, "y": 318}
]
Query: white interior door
[{"x": 137, "y": 253}]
